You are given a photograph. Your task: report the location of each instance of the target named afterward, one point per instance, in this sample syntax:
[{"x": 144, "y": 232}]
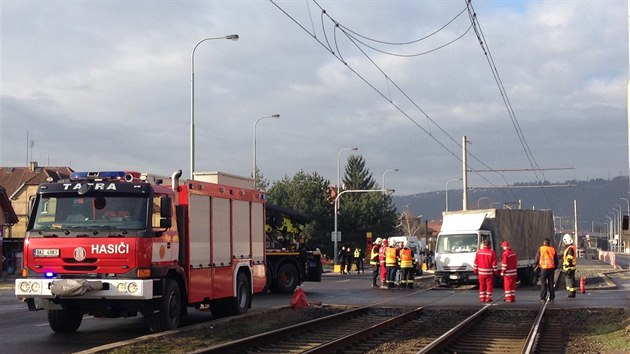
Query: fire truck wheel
[
  {"x": 236, "y": 305},
  {"x": 64, "y": 321},
  {"x": 243, "y": 298},
  {"x": 170, "y": 309},
  {"x": 287, "y": 279},
  {"x": 268, "y": 283}
]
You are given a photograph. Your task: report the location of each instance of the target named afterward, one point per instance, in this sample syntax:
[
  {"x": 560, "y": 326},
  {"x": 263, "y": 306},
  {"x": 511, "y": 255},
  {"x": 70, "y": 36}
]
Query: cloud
[{"x": 106, "y": 85}]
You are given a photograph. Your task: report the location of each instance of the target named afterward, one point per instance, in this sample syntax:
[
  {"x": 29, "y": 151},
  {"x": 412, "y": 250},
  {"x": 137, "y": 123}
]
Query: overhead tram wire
[
  {"x": 519, "y": 132},
  {"x": 409, "y": 42},
  {"x": 328, "y": 47},
  {"x": 337, "y": 25},
  {"x": 502, "y": 90},
  {"x": 413, "y": 55}
]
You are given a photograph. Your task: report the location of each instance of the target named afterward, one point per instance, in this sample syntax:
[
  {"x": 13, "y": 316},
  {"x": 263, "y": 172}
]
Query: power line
[{"x": 327, "y": 45}]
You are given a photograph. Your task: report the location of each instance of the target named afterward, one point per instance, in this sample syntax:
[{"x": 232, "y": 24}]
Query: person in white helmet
[{"x": 569, "y": 264}]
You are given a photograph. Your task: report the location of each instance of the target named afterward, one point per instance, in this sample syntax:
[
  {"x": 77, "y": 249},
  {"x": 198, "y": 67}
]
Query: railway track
[
  {"x": 501, "y": 331},
  {"x": 388, "y": 329}
]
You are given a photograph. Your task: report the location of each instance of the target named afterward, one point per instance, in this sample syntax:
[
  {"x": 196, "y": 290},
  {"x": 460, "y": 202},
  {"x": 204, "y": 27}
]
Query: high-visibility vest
[
  {"x": 547, "y": 257},
  {"x": 374, "y": 255},
  {"x": 568, "y": 260},
  {"x": 406, "y": 258},
  {"x": 381, "y": 255},
  {"x": 357, "y": 253},
  {"x": 390, "y": 256}
]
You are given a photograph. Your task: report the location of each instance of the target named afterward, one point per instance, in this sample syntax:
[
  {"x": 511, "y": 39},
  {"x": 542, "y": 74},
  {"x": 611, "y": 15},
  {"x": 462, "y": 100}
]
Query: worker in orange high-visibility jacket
[
  {"x": 407, "y": 262},
  {"x": 508, "y": 271},
  {"x": 485, "y": 266},
  {"x": 547, "y": 262},
  {"x": 391, "y": 263},
  {"x": 381, "y": 260}
]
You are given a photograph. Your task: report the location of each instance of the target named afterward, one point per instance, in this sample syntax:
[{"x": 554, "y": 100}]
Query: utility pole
[{"x": 465, "y": 174}]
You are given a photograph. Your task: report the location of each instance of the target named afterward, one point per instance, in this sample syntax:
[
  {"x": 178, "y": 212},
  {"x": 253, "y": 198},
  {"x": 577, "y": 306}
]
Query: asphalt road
[{"x": 23, "y": 331}]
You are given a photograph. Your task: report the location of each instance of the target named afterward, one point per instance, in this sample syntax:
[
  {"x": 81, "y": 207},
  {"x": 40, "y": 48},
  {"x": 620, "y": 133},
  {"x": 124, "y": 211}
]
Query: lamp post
[
  {"x": 446, "y": 190},
  {"x": 615, "y": 221},
  {"x": 338, "y": 157},
  {"x": 609, "y": 230},
  {"x": 337, "y": 208},
  {"x": 394, "y": 170},
  {"x": 619, "y": 229},
  {"x": 233, "y": 37},
  {"x": 254, "y": 134},
  {"x": 480, "y": 199}
]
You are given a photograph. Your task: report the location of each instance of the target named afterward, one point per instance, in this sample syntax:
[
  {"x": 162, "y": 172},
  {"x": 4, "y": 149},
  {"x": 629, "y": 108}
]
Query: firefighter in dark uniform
[
  {"x": 358, "y": 259},
  {"x": 569, "y": 264}
]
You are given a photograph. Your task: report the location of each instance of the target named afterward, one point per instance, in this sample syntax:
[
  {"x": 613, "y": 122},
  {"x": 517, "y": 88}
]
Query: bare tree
[{"x": 409, "y": 223}]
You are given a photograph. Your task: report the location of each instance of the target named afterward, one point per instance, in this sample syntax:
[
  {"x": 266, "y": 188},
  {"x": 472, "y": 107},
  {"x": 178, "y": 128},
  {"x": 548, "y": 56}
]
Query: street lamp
[
  {"x": 254, "y": 134},
  {"x": 610, "y": 231},
  {"x": 233, "y": 37},
  {"x": 480, "y": 199},
  {"x": 394, "y": 170},
  {"x": 619, "y": 229},
  {"x": 338, "y": 156},
  {"x": 446, "y": 190},
  {"x": 337, "y": 208}
]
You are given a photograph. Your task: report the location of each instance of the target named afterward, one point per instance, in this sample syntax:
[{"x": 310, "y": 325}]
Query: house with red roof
[{"x": 20, "y": 186}]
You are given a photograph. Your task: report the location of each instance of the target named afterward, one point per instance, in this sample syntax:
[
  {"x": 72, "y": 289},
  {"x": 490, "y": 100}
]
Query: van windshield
[{"x": 457, "y": 243}]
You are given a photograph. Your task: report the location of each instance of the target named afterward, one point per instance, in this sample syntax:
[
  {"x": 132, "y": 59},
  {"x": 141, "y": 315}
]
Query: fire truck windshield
[{"x": 94, "y": 212}]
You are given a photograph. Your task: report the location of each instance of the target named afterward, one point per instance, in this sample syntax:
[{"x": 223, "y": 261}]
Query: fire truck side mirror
[
  {"x": 624, "y": 223},
  {"x": 165, "y": 208},
  {"x": 165, "y": 223}
]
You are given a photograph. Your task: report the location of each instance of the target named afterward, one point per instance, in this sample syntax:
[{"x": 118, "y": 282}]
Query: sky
[{"x": 106, "y": 85}]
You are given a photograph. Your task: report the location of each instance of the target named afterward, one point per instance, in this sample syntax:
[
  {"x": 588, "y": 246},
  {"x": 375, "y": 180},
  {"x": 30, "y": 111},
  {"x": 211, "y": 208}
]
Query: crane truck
[
  {"x": 120, "y": 243},
  {"x": 463, "y": 231}
]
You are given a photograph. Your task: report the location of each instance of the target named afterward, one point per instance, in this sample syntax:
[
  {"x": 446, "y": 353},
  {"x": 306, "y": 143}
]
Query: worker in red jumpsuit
[
  {"x": 485, "y": 266},
  {"x": 381, "y": 259},
  {"x": 508, "y": 272}
]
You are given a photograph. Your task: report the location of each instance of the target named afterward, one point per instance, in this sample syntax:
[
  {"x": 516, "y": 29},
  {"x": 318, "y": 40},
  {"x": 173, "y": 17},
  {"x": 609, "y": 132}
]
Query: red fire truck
[{"x": 115, "y": 244}]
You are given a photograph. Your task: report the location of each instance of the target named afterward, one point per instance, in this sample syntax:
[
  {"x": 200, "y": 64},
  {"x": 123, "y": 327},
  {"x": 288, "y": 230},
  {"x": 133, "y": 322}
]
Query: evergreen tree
[{"x": 364, "y": 212}]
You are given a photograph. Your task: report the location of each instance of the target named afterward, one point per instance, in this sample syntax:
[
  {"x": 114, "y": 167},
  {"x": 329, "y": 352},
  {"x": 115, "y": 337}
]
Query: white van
[{"x": 416, "y": 245}]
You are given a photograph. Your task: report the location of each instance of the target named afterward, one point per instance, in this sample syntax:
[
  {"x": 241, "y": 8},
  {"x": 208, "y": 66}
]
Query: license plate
[
  {"x": 46, "y": 252},
  {"x": 454, "y": 277}
]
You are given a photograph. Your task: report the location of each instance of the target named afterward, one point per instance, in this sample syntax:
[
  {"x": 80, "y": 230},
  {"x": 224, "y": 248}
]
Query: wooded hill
[{"x": 595, "y": 199}]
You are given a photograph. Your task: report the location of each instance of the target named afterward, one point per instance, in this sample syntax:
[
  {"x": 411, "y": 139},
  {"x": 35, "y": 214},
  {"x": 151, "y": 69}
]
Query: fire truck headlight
[
  {"x": 36, "y": 287},
  {"x": 122, "y": 287},
  {"x": 25, "y": 287},
  {"x": 132, "y": 288}
]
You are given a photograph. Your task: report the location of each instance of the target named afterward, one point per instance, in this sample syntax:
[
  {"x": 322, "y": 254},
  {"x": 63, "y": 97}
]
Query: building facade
[{"x": 20, "y": 185}]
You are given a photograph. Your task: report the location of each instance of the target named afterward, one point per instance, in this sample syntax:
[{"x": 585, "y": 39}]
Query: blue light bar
[
  {"x": 49, "y": 274},
  {"x": 105, "y": 175}
]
